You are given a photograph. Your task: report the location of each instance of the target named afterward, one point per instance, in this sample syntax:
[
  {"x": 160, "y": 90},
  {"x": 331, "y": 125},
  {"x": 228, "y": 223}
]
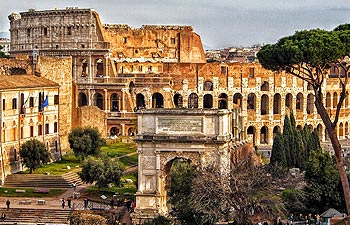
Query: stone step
[
  {"x": 35, "y": 180},
  {"x": 72, "y": 177}
]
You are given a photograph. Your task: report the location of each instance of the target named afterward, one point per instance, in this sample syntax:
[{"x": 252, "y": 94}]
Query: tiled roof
[
  {"x": 24, "y": 81},
  {"x": 329, "y": 213}
]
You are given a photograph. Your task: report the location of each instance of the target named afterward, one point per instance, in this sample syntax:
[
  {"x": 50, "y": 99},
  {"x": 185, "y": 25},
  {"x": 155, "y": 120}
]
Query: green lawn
[
  {"x": 118, "y": 149},
  {"x": 129, "y": 160},
  {"x": 29, "y": 192}
]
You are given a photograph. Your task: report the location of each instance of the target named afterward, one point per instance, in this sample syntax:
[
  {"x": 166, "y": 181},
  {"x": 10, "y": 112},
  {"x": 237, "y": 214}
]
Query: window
[
  {"x": 150, "y": 68},
  {"x": 47, "y": 130},
  {"x": 40, "y": 129},
  {"x": 14, "y": 103},
  {"x": 223, "y": 70},
  {"x": 22, "y": 133},
  {"x": 31, "y": 131},
  {"x": 56, "y": 46},
  {"x": 55, "y": 127},
  {"x": 31, "y": 102},
  {"x": 3, "y": 104},
  {"x": 45, "y": 31},
  {"x": 251, "y": 72},
  {"x": 173, "y": 41},
  {"x": 28, "y": 32},
  {"x": 69, "y": 30},
  {"x": 56, "y": 100},
  {"x": 140, "y": 68},
  {"x": 124, "y": 40}
]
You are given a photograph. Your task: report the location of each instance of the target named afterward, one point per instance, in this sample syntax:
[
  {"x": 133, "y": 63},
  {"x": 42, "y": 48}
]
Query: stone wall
[{"x": 91, "y": 116}]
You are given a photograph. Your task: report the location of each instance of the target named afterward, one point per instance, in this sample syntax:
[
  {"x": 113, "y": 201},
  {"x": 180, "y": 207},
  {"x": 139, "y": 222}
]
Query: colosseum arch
[
  {"x": 346, "y": 131},
  {"x": 328, "y": 100},
  {"x": 264, "y": 105},
  {"x": 251, "y": 102},
  {"x": 319, "y": 129},
  {"x": 265, "y": 86},
  {"x": 82, "y": 99},
  {"x": 98, "y": 100},
  {"x": 99, "y": 68},
  {"x": 276, "y": 129},
  {"x": 251, "y": 133},
  {"x": 84, "y": 68},
  {"x": 289, "y": 101},
  {"x": 264, "y": 135},
  {"x": 208, "y": 86},
  {"x": 310, "y": 104},
  {"x": 341, "y": 130},
  {"x": 177, "y": 100},
  {"x": 222, "y": 101},
  {"x": 335, "y": 99},
  {"x": 346, "y": 100},
  {"x": 114, "y": 131},
  {"x": 140, "y": 101},
  {"x": 237, "y": 99},
  {"x": 208, "y": 101},
  {"x": 299, "y": 102},
  {"x": 193, "y": 101},
  {"x": 114, "y": 99},
  {"x": 277, "y": 104},
  {"x": 157, "y": 100}
]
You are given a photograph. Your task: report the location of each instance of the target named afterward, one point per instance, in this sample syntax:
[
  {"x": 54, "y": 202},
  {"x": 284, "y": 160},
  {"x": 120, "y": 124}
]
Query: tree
[
  {"x": 309, "y": 55},
  {"x": 278, "y": 153},
  {"x": 34, "y": 154},
  {"x": 85, "y": 141},
  {"x": 103, "y": 172}
]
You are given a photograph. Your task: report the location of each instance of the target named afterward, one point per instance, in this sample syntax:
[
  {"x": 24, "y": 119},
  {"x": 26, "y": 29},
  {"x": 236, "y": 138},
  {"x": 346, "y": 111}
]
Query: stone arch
[
  {"x": 251, "y": 101},
  {"x": 328, "y": 100},
  {"x": 289, "y": 101},
  {"x": 237, "y": 99},
  {"x": 265, "y": 86},
  {"x": 131, "y": 131},
  {"x": 114, "y": 131},
  {"x": 98, "y": 100},
  {"x": 299, "y": 127},
  {"x": 208, "y": 86},
  {"x": 251, "y": 133},
  {"x": 140, "y": 101},
  {"x": 114, "y": 102},
  {"x": 310, "y": 104},
  {"x": 264, "y": 134},
  {"x": 131, "y": 87},
  {"x": 264, "y": 106},
  {"x": 309, "y": 87},
  {"x": 277, "y": 104},
  {"x": 341, "y": 130},
  {"x": 335, "y": 99},
  {"x": 178, "y": 100},
  {"x": 157, "y": 100},
  {"x": 299, "y": 102},
  {"x": 84, "y": 68},
  {"x": 276, "y": 129},
  {"x": 193, "y": 101},
  {"x": 99, "y": 68},
  {"x": 82, "y": 99},
  {"x": 208, "y": 101},
  {"x": 222, "y": 101}
]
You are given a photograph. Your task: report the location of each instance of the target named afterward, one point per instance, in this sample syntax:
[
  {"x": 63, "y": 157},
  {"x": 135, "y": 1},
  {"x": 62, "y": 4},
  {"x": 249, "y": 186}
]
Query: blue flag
[{"x": 45, "y": 103}]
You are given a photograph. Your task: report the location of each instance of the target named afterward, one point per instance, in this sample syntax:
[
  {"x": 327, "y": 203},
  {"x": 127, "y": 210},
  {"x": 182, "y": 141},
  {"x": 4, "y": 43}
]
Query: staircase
[
  {"x": 46, "y": 181},
  {"x": 35, "y": 216}
]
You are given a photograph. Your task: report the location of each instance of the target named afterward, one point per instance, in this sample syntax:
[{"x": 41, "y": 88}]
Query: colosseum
[{"x": 117, "y": 70}]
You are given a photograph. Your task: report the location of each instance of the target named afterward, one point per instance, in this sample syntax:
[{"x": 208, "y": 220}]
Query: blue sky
[{"x": 220, "y": 23}]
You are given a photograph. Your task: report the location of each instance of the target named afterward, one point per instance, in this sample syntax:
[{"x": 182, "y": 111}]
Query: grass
[
  {"x": 129, "y": 160},
  {"x": 29, "y": 192},
  {"x": 118, "y": 149}
]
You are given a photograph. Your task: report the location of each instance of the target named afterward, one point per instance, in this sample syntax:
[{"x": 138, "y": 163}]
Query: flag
[
  {"x": 24, "y": 106},
  {"x": 45, "y": 103}
]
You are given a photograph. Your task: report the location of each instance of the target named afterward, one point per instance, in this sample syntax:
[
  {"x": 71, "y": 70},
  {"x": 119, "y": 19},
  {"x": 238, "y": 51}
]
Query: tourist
[
  {"x": 3, "y": 216},
  {"x": 63, "y": 203},
  {"x": 69, "y": 202},
  {"x": 8, "y": 204},
  {"x": 74, "y": 185}
]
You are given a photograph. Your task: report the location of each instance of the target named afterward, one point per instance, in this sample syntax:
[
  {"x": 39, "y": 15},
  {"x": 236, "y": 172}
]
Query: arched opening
[
  {"x": 140, "y": 101},
  {"x": 277, "y": 104},
  {"x": 289, "y": 101},
  {"x": 346, "y": 100},
  {"x": 299, "y": 102},
  {"x": 299, "y": 127},
  {"x": 264, "y": 106},
  {"x": 157, "y": 100},
  {"x": 335, "y": 99},
  {"x": 264, "y": 135},
  {"x": 84, "y": 68},
  {"x": 328, "y": 100},
  {"x": 114, "y": 131},
  {"x": 346, "y": 131},
  {"x": 208, "y": 101},
  {"x": 265, "y": 86},
  {"x": 131, "y": 87},
  {"x": 208, "y": 86},
  {"x": 82, "y": 99},
  {"x": 341, "y": 131},
  {"x": 310, "y": 104},
  {"x": 251, "y": 132},
  {"x": 99, "y": 101},
  {"x": 237, "y": 99},
  {"x": 193, "y": 101},
  {"x": 309, "y": 87},
  {"x": 131, "y": 131},
  {"x": 276, "y": 129},
  {"x": 178, "y": 100},
  {"x": 251, "y": 101},
  {"x": 114, "y": 103},
  {"x": 99, "y": 68},
  {"x": 222, "y": 101}
]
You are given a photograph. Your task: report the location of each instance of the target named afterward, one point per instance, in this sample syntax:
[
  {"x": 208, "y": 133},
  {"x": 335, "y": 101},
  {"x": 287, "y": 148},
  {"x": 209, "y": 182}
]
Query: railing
[{"x": 91, "y": 205}]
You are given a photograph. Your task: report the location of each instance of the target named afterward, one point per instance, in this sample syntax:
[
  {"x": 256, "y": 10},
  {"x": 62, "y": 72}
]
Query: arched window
[
  {"x": 328, "y": 100},
  {"x": 99, "y": 101},
  {"x": 276, "y": 129},
  {"x": 341, "y": 131},
  {"x": 299, "y": 102},
  {"x": 222, "y": 104},
  {"x": 264, "y": 135},
  {"x": 114, "y": 102},
  {"x": 193, "y": 101},
  {"x": 277, "y": 104},
  {"x": 289, "y": 101},
  {"x": 99, "y": 68},
  {"x": 237, "y": 99},
  {"x": 157, "y": 100},
  {"x": 264, "y": 106},
  {"x": 335, "y": 99},
  {"x": 178, "y": 100},
  {"x": 140, "y": 101},
  {"x": 208, "y": 86},
  {"x": 251, "y": 101},
  {"x": 310, "y": 104},
  {"x": 251, "y": 134},
  {"x": 208, "y": 101},
  {"x": 265, "y": 86}
]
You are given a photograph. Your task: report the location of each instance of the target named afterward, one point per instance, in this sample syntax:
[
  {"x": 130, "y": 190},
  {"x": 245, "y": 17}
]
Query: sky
[{"x": 220, "y": 23}]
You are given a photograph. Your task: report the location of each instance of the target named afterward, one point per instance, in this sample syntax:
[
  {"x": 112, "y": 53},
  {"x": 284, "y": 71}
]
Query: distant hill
[{"x": 5, "y": 34}]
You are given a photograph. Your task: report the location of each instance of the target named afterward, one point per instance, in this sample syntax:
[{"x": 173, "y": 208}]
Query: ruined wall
[
  {"x": 93, "y": 117},
  {"x": 59, "y": 70},
  {"x": 15, "y": 66}
]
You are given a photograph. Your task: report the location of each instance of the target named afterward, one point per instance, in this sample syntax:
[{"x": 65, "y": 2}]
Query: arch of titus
[{"x": 202, "y": 136}]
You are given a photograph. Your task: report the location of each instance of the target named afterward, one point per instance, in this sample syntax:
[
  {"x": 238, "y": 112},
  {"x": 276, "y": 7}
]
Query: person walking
[
  {"x": 63, "y": 203},
  {"x": 69, "y": 202},
  {"x": 8, "y": 204}
]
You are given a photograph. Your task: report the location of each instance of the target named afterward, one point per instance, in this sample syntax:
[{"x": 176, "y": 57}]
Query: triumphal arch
[{"x": 201, "y": 136}]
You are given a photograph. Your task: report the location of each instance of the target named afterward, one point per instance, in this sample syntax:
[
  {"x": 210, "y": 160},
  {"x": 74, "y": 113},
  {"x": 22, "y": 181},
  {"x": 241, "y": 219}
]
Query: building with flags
[{"x": 29, "y": 109}]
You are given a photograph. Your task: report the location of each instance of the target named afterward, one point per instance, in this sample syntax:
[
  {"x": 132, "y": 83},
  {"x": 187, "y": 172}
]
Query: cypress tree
[
  {"x": 287, "y": 137},
  {"x": 278, "y": 153}
]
